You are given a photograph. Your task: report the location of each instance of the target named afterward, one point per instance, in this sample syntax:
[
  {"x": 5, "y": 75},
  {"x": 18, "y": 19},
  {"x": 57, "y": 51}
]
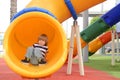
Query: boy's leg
[
  {"x": 40, "y": 56},
  {"x": 38, "y": 53},
  {"x": 28, "y": 55},
  {"x": 29, "y": 52}
]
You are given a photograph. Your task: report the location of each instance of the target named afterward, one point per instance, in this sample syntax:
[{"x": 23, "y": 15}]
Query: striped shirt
[{"x": 44, "y": 49}]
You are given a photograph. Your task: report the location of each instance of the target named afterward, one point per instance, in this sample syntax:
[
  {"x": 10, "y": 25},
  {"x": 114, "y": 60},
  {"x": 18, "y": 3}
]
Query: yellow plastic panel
[{"x": 95, "y": 45}]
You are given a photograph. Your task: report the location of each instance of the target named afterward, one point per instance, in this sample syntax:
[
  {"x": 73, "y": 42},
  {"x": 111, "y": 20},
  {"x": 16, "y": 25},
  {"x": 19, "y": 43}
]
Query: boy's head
[{"x": 43, "y": 39}]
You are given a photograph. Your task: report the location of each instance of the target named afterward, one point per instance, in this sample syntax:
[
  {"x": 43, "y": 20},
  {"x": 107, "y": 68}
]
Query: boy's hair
[{"x": 43, "y": 37}]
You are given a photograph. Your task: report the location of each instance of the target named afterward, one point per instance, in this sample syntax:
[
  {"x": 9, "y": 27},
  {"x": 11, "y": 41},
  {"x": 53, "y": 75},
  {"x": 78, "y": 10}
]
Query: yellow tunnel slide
[{"x": 24, "y": 30}]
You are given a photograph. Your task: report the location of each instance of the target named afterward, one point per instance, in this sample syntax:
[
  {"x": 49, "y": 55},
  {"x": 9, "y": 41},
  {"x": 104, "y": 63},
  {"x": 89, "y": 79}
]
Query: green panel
[
  {"x": 90, "y": 53},
  {"x": 94, "y": 30}
]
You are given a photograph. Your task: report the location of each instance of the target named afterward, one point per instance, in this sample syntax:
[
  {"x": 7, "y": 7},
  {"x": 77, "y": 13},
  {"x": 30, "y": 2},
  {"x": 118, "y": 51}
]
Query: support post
[
  {"x": 117, "y": 45},
  {"x": 69, "y": 67},
  {"x": 85, "y": 24},
  {"x": 79, "y": 49},
  {"x": 113, "y": 49}
]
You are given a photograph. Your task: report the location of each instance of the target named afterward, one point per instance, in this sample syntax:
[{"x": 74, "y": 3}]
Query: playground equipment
[
  {"x": 103, "y": 23},
  {"x": 38, "y": 18}
]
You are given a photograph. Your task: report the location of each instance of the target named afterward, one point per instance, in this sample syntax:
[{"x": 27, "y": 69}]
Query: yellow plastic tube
[
  {"x": 23, "y": 32},
  {"x": 59, "y": 8},
  {"x": 25, "y": 29}
]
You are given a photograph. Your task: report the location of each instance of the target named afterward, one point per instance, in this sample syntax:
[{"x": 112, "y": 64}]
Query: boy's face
[{"x": 41, "y": 42}]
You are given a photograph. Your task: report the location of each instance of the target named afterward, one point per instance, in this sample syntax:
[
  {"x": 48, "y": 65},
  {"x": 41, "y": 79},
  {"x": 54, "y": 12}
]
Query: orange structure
[{"x": 25, "y": 28}]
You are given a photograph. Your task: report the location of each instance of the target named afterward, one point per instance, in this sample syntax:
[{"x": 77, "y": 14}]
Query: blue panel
[
  {"x": 71, "y": 8},
  {"x": 32, "y": 9},
  {"x": 113, "y": 16}
]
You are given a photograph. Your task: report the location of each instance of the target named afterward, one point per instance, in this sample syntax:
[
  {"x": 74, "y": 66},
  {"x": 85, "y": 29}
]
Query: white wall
[
  {"x": 21, "y": 4},
  {"x": 4, "y": 14}
]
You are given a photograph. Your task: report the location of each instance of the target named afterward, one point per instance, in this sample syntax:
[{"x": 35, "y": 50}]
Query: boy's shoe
[
  {"x": 42, "y": 62},
  {"x": 25, "y": 60}
]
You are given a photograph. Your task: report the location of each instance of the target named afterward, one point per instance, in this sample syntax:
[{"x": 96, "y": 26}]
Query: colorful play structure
[{"x": 45, "y": 16}]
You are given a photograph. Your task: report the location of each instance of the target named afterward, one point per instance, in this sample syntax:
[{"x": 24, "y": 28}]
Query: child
[{"x": 39, "y": 49}]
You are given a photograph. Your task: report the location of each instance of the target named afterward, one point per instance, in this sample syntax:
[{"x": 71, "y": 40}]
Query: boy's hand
[{"x": 47, "y": 51}]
